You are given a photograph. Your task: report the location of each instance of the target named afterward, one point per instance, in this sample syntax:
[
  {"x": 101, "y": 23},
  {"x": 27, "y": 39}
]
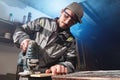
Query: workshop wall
[
  {"x": 18, "y": 10},
  {"x": 9, "y": 52}
]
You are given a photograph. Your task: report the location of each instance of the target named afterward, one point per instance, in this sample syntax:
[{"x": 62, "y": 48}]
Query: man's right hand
[{"x": 24, "y": 44}]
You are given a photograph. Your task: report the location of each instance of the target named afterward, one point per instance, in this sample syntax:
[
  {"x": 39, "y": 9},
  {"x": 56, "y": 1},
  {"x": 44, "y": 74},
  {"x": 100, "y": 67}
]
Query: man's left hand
[{"x": 57, "y": 69}]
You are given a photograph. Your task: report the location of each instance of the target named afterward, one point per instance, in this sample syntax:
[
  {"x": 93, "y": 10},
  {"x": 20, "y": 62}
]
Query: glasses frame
[{"x": 73, "y": 19}]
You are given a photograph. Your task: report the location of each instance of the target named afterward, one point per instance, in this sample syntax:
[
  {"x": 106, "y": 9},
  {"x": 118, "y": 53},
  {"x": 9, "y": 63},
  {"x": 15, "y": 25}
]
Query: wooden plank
[{"x": 41, "y": 75}]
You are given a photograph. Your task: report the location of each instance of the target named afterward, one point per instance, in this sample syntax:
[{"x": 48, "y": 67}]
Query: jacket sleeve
[
  {"x": 71, "y": 58},
  {"x": 25, "y": 30}
]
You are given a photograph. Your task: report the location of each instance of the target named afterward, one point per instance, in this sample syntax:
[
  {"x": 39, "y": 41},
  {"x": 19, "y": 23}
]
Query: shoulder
[
  {"x": 45, "y": 18},
  {"x": 42, "y": 21}
]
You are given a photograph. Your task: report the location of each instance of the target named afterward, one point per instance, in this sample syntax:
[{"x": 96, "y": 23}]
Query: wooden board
[{"x": 41, "y": 75}]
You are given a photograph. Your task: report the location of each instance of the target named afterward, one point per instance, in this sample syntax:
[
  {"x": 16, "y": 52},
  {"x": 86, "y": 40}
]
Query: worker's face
[{"x": 67, "y": 19}]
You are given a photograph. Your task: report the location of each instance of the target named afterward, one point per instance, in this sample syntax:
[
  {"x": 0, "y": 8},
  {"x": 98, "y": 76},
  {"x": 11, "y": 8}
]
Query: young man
[{"x": 51, "y": 44}]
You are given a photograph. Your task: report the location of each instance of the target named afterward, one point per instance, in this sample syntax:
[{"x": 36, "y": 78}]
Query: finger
[
  {"x": 25, "y": 46},
  {"x": 58, "y": 68},
  {"x": 66, "y": 70},
  {"x": 53, "y": 70},
  {"x": 62, "y": 69},
  {"x": 48, "y": 71},
  {"x": 22, "y": 47}
]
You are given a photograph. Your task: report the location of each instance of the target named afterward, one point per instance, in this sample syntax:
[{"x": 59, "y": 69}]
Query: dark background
[{"x": 99, "y": 44}]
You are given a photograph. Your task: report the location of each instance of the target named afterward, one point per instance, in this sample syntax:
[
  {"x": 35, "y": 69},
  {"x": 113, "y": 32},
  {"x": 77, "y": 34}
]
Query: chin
[{"x": 63, "y": 26}]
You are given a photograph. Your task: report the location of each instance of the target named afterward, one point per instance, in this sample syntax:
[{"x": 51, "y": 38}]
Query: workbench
[
  {"x": 80, "y": 75},
  {"x": 90, "y": 75}
]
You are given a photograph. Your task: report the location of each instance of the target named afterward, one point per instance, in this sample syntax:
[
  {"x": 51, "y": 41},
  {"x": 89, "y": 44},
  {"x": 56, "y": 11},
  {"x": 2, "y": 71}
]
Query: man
[{"x": 52, "y": 43}]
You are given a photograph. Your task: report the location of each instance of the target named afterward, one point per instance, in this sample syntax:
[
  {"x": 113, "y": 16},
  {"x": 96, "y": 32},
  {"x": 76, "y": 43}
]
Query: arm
[
  {"x": 66, "y": 66},
  {"x": 71, "y": 58},
  {"x": 22, "y": 34}
]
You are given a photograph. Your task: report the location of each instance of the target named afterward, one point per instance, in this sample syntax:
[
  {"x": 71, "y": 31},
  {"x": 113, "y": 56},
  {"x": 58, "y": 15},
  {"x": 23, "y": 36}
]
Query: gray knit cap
[{"x": 76, "y": 8}]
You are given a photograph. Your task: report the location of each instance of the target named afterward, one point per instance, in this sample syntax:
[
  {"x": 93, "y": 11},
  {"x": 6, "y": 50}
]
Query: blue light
[
  {"x": 76, "y": 30},
  {"x": 54, "y": 7},
  {"x": 80, "y": 31}
]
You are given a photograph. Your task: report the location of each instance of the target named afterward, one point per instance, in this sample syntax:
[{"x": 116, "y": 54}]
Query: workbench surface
[{"x": 90, "y": 75}]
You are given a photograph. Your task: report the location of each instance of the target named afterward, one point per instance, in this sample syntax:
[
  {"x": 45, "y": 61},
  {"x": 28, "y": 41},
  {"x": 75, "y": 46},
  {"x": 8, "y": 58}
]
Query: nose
[{"x": 67, "y": 20}]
